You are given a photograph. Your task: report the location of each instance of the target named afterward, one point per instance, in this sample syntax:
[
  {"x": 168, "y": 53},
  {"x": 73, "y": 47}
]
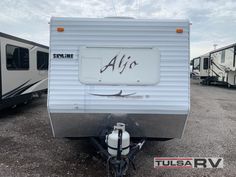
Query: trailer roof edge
[
  {"x": 222, "y": 48},
  {"x": 54, "y": 18},
  {"x": 22, "y": 40}
]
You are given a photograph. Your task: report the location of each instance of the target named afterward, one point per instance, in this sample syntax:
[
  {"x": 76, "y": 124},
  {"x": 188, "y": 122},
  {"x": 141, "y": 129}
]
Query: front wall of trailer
[
  {"x": 204, "y": 66},
  {"x": 197, "y": 66},
  {"x": 74, "y": 99},
  {"x": 201, "y": 66},
  {"x": 15, "y": 81}
]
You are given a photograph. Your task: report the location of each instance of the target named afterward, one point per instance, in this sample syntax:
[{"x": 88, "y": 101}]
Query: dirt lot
[{"x": 28, "y": 149}]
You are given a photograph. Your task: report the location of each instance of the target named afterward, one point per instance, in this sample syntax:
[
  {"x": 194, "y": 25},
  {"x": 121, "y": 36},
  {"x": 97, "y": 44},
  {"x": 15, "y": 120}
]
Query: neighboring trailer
[
  {"x": 104, "y": 71},
  {"x": 201, "y": 66},
  {"x": 222, "y": 66},
  {"x": 24, "y": 66},
  {"x": 196, "y": 63}
]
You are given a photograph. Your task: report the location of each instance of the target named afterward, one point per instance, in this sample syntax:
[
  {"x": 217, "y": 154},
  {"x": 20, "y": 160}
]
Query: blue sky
[{"x": 213, "y": 21}]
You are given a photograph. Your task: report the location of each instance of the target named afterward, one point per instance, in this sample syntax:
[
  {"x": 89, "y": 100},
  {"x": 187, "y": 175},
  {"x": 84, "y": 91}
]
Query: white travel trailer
[
  {"x": 222, "y": 67},
  {"x": 24, "y": 66},
  {"x": 201, "y": 66},
  {"x": 108, "y": 70}
]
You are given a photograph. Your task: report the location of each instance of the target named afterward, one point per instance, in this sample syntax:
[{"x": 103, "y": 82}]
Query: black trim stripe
[
  {"x": 14, "y": 90},
  {"x": 19, "y": 90},
  {"x": 17, "y": 99},
  {"x": 215, "y": 73},
  {"x": 216, "y": 65}
]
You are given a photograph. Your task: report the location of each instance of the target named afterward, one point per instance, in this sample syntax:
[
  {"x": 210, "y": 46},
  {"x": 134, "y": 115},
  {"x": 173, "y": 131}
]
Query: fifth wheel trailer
[
  {"x": 217, "y": 66},
  {"x": 108, "y": 70},
  {"x": 221, "y": 66},
  {"x": 200, "y": 67},
  {"x": 23, "y": 70}
]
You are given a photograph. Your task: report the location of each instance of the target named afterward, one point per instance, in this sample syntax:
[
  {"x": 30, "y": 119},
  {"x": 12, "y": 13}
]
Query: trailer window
[
  {"x": 223, "y": 56},
  {"x": 17, "y": 58},
  {"x": 42, "y": 60},
  {"x": 205, "y": 63},
  {"x": 196, "y": 63}
]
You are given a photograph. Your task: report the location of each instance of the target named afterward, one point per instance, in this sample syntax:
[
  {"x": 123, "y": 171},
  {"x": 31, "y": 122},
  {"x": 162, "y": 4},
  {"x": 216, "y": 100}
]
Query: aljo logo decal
[
  {"x": 121, "y": 64},
  {"x": 188, "y": 162}
]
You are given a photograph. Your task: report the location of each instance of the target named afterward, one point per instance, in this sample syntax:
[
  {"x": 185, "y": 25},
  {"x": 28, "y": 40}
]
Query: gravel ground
[{"x": 28, "y": 149}]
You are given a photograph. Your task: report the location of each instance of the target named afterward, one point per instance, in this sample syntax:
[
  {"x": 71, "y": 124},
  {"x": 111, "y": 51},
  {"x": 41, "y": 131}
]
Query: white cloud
[{"x": 213, "y": 20}]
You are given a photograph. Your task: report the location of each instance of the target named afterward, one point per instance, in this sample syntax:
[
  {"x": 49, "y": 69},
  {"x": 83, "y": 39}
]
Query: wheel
[{"x": 229, "y": 85}]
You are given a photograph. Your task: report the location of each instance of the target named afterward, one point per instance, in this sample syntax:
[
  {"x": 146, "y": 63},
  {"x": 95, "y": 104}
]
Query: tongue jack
[{"x": 118, "y": 151}]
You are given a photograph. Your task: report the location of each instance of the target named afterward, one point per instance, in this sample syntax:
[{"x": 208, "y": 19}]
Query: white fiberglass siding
[{"x": 169, "y": 96}]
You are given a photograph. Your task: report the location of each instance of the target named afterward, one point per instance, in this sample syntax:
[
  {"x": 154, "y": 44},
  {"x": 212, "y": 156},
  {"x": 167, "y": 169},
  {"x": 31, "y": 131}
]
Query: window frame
[
  {"x": 199, "y": 63},
  {"x": 205, "y": 63},
  {"x": 38, "y": 51},
  {"x": 17, "y": 69}
]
